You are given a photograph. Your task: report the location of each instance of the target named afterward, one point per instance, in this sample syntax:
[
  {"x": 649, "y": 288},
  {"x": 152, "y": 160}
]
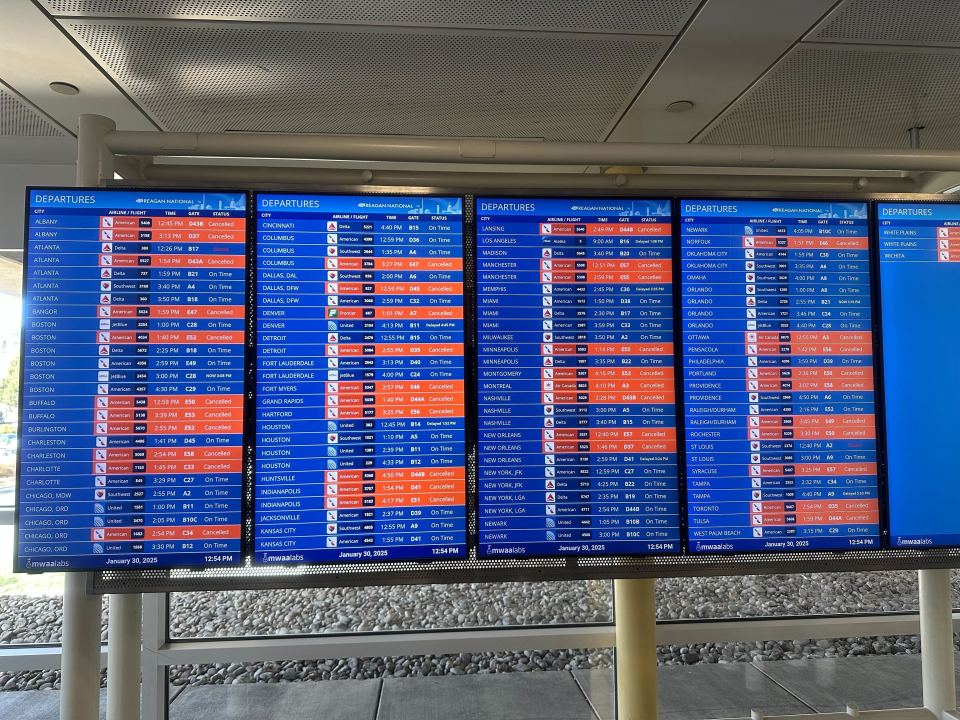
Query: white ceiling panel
[
  {"x": 893, "y": 22},
  {"x": 19, "y": 119},
  {"x": 661, "y": 17},
  {"x": 236, "y": 76},
  {"x": 36, "y": 52},
  {"x": 717, "y": 57},
  {"x": 842, "y": 96}
]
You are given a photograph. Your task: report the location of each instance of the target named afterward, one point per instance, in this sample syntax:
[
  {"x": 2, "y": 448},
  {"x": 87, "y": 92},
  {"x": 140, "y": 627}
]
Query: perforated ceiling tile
[
  {"x": 832, "y": 97},
  {"x": 194, "y": 77},
  {"x": 17, "y": 119},
  {"x": 634, "y": 16},
  {"x": 914, "y": 22}
]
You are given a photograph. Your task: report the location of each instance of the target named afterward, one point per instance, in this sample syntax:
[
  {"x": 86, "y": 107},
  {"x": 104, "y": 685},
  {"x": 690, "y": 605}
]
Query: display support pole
[
  {"x": 80, "y": 659},
  {"x": 94, "y": 159},
  {"x": 936, "y": 642},
  {"x": 635, "y": 666},
  {"x": 154, "y": 687},
  {"x": 95, "y": 163},
  {"x": 80, "y": 639},
  {"x": 123, "y": 657}
]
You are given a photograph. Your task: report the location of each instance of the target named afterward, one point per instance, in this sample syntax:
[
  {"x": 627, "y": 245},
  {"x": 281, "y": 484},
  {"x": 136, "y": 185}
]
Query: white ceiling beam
[
  {"x": 520, "y": 152},
  {"x": 725, "y": 48},
  {"x": 36, "y": 52},
  {"x": 485, "y": 181},
  {"x": 664, "y": 19},
  {"x": 938, "y": 182}
]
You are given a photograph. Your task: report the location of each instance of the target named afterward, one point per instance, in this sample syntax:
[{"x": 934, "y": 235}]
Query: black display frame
[
  {"x": 28, "y": 190},
  {"x": 678, "y": 397},
  {"x": 875, "y": 270},
  {"x": 248, "y": 576},
  {"x": 467, "y": 240},
  {"x": 876, "y": 366}
]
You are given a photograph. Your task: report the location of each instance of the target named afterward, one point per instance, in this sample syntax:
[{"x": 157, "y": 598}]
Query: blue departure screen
[
  {"x": 919, "y": 294},
  {"x": 360, "y": 425},
  {"x": 133, "y": 378},
  {"x": 577, "y": 428},
  {"x": 778, "y": 377}
]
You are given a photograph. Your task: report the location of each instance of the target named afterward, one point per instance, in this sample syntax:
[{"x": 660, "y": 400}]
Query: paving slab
[
  {"x": 37, "y": 704},
  {"x": 597, "y": 685},
  {"x": 700, "y": 691},
  {"x": 552, "y": 695},
  {"x": 872, "y": 683},
  {"x": 327, "y": 700}
]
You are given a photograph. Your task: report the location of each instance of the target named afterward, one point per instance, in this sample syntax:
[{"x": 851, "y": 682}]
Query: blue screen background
[{"x": 921, "y": 349}]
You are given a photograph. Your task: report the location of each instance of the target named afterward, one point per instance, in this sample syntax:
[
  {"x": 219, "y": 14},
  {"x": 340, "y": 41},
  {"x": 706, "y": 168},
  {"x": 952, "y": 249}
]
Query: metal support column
[
  {"x": 80, "y": 664},
  {"x": 123, "y": 657},
  {"x": 80, "y": 661},
  {"x": 155, "y": 673},
  {"x": 936, "y": 642},
  {"x": 635, "y": 610},
  {"x": 94, "y": 159},
  {"x": 95, "y": 163}
]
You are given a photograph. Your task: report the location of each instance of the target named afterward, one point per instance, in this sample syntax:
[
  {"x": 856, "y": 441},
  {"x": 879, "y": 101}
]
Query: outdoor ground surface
[{"x": 685, "y": 693}]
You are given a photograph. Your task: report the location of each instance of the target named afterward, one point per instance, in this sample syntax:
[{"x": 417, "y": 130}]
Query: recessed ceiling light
[
  {"x": 680, "y": 106},
  {"x": 64, "y": 88}
]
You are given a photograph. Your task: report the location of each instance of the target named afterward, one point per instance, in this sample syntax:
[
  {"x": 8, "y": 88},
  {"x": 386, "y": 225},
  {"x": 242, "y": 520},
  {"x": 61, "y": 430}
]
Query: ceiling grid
[
  {"x": 862, "y": 77},
  {"x": 807, "y": 101},
  {"x": 541, "y": 70},
  {"x": 274, "y": 78},
  {"x": 893, "y": 22},
  {"x": 20, "y": 119}
]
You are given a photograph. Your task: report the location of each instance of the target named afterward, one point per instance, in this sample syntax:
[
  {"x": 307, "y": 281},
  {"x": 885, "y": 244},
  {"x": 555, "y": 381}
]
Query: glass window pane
[
  {"x": 30, "y": 605},
  {"x": 401, "y": 607},
  {"x": 406, "y": 666},
  {"x": 778, "y": 595}
]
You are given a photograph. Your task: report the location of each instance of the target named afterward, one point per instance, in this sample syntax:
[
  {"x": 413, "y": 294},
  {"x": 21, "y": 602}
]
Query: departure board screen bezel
[
  {"x": 146, "y": 189},
  {"x": 476, "y": 570},
  {"x": 876, "y": 368},
  {"x": 468, "y": 295},
  {"x": 534, "y": 217},
  {"x": 878, "y": 290}
]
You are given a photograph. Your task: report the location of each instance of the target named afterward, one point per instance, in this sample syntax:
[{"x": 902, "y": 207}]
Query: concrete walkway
[{"x": 697, "y": 692}]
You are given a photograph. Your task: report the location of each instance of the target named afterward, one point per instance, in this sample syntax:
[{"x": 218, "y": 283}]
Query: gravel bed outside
[
  {"x": 430, "y": 607},
  {"x": 36, "y": 619}
]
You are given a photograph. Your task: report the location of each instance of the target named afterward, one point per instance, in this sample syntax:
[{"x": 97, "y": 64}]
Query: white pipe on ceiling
[
  {"x": 452, "y": 150},
  {"x": 475, "y": 180}
]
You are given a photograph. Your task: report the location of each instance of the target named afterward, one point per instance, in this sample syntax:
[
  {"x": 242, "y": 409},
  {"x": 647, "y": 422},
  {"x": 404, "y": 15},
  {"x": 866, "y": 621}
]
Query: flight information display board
[
  {"x": 777, "y": 376},
  {"x": 360, "y": 420},
  {"x": 919, "y": 257},
  {"x": 576, "y": 429},
  {"x": 131, "y": 436}
]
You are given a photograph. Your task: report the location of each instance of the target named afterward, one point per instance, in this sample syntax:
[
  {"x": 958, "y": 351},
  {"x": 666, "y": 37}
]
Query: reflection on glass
[{"x": 30, "y": 605}]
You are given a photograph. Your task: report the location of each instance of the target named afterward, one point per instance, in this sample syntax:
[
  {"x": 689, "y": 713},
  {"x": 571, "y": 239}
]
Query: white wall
[{"x": 13, "y": 181}]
